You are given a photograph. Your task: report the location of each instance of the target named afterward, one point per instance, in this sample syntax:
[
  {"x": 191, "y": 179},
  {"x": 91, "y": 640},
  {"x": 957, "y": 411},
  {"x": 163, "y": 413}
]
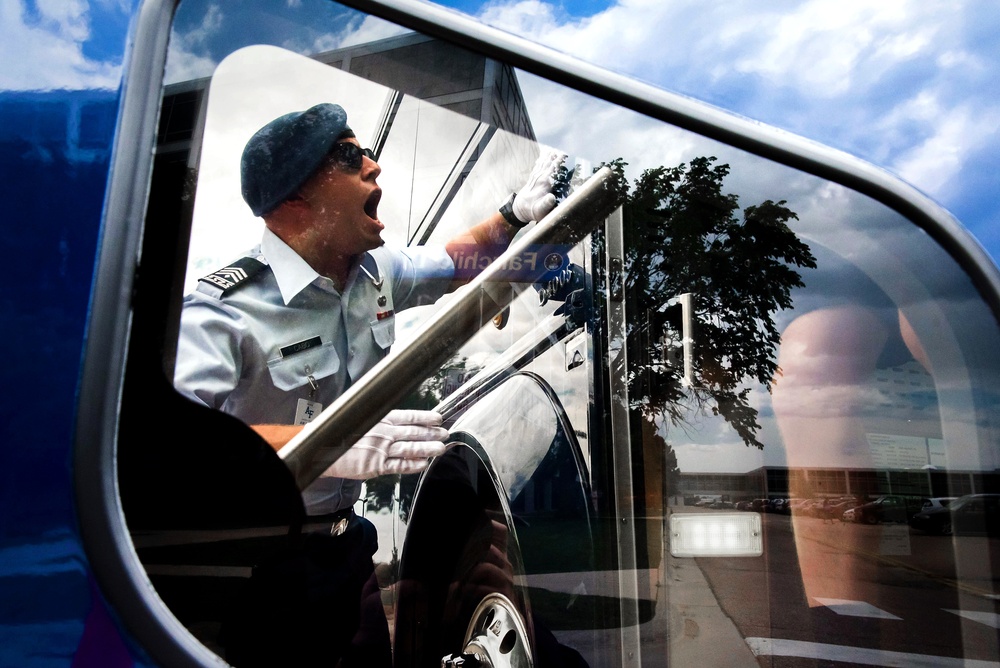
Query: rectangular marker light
[{"x": 716, "y": 535}]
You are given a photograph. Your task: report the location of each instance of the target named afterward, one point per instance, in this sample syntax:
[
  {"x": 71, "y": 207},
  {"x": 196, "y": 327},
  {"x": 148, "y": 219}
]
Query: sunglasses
[{"x": 347, "y": 156}]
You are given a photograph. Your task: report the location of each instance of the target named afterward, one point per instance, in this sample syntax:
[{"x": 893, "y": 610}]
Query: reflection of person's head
[{"x": 306, "y": 175}]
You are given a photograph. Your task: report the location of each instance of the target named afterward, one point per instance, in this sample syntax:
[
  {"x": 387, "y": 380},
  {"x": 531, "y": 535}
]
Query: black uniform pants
[{"x": 314, "y": 603}]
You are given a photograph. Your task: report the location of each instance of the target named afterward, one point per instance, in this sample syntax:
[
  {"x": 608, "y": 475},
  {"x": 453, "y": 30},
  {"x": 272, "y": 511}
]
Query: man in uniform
[{"x": 282, "y": 332}]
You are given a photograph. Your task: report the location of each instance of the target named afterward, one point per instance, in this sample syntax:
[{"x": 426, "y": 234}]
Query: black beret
[{"x": 283, "y": 154}]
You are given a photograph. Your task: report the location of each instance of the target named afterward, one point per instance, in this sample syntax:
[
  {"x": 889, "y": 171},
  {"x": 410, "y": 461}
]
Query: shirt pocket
[
  {"x": 384, "y": 331},
  {"x": 293, "y": 371}
]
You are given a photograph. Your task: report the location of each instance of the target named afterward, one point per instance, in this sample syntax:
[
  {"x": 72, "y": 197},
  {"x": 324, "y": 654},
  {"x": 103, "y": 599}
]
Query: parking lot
[{"x": 861, "y": 594}]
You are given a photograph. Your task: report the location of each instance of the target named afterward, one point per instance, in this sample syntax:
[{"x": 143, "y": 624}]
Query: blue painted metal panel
[{"x": 55, "y": 150}]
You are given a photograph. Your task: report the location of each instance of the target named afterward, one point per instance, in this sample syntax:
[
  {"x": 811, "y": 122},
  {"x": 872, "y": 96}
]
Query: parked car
[
  {"x": 884, "y": 509},
  {"x": 759, "y": 505},
  {"x": 970, "y": 514},
  {"x": 937, "y": 502},
  {"x": 832, "y": 509},
  {"x": 813, "y": 508},
  {"x": 797, "y": 505}
]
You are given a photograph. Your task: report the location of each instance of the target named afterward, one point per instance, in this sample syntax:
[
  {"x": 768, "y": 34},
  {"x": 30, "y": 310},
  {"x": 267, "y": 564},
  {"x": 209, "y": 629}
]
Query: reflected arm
[{"x": 475, "y": 248}]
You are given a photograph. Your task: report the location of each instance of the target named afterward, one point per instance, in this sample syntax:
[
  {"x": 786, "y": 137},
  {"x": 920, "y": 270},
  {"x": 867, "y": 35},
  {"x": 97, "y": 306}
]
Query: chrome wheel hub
[{"x": 496, "y": 637}]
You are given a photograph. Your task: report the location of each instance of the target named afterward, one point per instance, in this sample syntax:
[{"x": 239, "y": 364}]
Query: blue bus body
[{"x": 56, "y": 155}]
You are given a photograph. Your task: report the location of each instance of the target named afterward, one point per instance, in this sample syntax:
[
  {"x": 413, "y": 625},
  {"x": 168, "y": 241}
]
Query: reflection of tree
[
  {"x": 684, "y": 234},
  {"x": 379, "y": 492}
]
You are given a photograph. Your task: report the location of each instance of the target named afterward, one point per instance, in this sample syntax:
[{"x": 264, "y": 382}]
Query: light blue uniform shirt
[{"x": 250, "y": 350}]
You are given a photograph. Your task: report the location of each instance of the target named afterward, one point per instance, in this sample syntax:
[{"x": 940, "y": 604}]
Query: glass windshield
[{"x": 739, "y": 339}]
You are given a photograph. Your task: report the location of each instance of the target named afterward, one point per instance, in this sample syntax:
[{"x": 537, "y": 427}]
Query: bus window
[{"x": 738, "y": 338}]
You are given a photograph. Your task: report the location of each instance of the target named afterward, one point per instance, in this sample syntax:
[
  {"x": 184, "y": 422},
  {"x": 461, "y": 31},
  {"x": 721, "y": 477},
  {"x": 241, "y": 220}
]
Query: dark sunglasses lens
[{"x": 348, "y": 156}]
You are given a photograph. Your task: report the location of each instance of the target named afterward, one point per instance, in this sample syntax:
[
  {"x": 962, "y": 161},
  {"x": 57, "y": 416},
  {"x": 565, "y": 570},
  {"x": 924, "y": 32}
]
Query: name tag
[{"x": 314, "y": 342}]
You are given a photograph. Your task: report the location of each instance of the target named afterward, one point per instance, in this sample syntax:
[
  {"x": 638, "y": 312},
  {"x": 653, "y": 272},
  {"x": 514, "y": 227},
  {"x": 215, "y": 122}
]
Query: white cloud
[
  {"x": 368, "y": 30},
  {"x": 816, "y": 45},
  {"x": 898, "y": 82},
  {"x": 821, "y": 47},
  {"x": 121, "y": 6},
  {"x": 187, "y": 59},
  {"x": 207, "y": 29},
  {"x": 530, "y": 18},
  {"x": 556, "y": 113},
  {"x": 68, "y": 18},
  {"x": 185, "y": 65},
  {"x": 936, "y": 163},
  {"x": 45, "y": 51}
]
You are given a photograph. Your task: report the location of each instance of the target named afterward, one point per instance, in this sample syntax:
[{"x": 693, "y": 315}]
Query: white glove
[
  {"x": 402, "y": 442},
  {"x": 536, "y": 199}
]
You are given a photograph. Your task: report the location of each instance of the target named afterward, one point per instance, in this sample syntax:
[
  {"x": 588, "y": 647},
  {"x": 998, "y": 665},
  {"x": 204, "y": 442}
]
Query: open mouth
[{"x": 371, "y": 204}]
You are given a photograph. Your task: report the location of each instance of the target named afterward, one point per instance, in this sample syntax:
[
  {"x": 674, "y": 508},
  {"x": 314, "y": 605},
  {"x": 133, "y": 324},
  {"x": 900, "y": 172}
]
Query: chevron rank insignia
[{"x": 229, "y": 277}]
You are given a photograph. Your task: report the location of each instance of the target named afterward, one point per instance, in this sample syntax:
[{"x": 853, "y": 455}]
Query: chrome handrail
[{"x": 341, "y": 424}]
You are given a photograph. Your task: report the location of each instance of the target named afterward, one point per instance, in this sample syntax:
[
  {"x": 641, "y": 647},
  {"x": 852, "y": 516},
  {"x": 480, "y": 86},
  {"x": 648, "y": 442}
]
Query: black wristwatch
[{"x": 507, "y": 211}]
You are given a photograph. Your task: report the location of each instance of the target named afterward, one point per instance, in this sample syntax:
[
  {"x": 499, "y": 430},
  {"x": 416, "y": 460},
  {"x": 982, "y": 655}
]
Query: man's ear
[
  {"x": 295, "y": 204},
  {"x": 288, "y": 214}
]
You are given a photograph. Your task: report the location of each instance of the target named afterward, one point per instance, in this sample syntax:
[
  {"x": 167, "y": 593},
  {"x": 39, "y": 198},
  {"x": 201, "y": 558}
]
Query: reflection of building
[
  {"x": 900, "y": 464},
  {"x": 415, "y": 65},
  {"x": 905, "y": 387},
  {"x": 774, "y": 482},
  {"x": 441, "y": 73}
]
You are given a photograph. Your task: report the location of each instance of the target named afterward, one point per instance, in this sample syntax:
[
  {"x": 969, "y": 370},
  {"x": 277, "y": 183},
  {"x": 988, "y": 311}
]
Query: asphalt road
[{"x": 835, "y": 594}]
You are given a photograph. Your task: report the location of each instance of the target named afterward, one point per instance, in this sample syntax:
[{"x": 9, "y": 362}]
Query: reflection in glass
[{"x": 833, "y": 337}]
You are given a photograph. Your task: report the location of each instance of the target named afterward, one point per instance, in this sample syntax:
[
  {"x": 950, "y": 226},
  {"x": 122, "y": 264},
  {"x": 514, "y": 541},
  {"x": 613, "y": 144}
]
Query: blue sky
[{"x": 909, "y": 85}]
